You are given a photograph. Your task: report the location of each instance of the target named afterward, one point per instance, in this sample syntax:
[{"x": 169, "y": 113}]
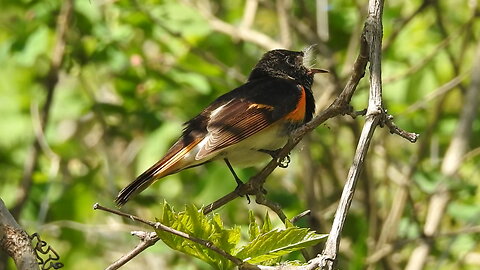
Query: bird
[{"x": 244, "y": 126}]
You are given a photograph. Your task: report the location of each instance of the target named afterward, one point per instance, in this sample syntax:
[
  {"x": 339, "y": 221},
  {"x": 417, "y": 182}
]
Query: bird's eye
[{"x": 291, "y": 61}]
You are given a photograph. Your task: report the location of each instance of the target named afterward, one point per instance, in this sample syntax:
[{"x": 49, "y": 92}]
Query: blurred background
[{"x": 94, "y": 92}]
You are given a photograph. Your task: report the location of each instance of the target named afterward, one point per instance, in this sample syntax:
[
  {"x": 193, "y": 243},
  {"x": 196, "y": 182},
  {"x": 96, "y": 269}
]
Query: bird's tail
[{"x": 167, "y": 165}]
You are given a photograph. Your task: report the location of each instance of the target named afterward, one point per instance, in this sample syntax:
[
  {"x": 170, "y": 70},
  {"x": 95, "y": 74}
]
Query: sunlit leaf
[{"x": 276, "y": 243}]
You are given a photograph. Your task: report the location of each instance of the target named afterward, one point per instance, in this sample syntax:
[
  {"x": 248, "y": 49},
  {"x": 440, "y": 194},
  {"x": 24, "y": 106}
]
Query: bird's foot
[{"x": 237, "y": 190}]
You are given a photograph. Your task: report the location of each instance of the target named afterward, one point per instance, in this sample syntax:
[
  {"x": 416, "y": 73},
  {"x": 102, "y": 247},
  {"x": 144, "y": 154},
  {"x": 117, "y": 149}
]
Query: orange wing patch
[
  {"x": 260, "y": 106},
  {"x": 298, "y": 114},
  {"x": 238, "y": 120}
]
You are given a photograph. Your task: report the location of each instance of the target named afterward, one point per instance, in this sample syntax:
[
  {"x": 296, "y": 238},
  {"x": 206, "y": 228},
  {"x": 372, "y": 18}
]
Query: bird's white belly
[{"x": 246, "y": 154}]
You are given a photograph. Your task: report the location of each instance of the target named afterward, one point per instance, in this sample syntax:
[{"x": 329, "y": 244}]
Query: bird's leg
[
  {"x": 274, "y": 154},
  {"x": 237, "y": 179}
]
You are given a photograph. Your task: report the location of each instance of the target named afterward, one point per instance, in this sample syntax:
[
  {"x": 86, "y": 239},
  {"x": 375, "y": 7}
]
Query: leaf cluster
[{"x": 266, "y": 245}]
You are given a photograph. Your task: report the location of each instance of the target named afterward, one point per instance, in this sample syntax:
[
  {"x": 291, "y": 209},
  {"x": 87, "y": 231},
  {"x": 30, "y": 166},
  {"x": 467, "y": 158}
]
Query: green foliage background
[{"x": 133, "y": 72}]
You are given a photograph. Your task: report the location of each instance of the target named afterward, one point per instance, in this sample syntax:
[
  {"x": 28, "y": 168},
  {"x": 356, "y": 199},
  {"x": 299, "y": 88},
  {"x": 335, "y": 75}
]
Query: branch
[
  {"x": 249, "y": 13},
  {"x": 15, "y": 242},
  {"x": 282, "y": 7},
  {"x": 394, "y": 129},
  {"x": 238, "y": 32},
  {"x": 148, "y": 239},
  {"x": 438, "y": 92},
  {"x": 375, "y": 112}
]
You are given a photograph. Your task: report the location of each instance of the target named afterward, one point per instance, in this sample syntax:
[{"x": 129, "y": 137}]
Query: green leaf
[
  {"x": 467, "y": 212},
  {"x": 267, "y": 224},
  {"x": 194, "y": 223},
  {"x": 253, "y": 228},
  {"x": 289, "y": 224},
  {"x": 275, "y": 243}
]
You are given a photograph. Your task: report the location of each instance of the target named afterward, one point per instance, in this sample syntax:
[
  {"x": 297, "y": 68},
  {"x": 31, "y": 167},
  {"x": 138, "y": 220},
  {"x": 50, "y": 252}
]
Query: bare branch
[
  {"x": 440, "y": 91},
  {"x": 373, "y": 35},
  {"x": 275, "y": 207},
  {"x": 300, "y": 216},
  {"x": 283, "y": 25},
  {"x": 394, "y": 129},
  {"x": 249, "y": 13},
  {"x": 236, "y": 32},
  {"x": 15, "y": 242},
  {"x": 148, "y": 239},
  {"x": 322, "y": 20}
]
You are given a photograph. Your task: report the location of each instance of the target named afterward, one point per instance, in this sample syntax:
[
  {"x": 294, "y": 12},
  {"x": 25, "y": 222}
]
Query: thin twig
[
  {"x": 300, "y": 216},
  {"x": 148, "y": 239},
  {"x": 394, "y": 129},
  {"x": 235, "y": 32},
  {"x": 275, "y": 207},
  {"x": 440, "y": 91}
]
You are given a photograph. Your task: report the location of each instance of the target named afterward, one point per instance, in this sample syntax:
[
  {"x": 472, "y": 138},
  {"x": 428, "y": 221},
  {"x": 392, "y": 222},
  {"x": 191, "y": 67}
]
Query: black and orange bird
[{"x": 243, "y": 126}]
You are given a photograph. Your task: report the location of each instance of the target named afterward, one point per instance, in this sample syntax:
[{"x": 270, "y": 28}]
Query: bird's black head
[{"x": 284, "y": 64}]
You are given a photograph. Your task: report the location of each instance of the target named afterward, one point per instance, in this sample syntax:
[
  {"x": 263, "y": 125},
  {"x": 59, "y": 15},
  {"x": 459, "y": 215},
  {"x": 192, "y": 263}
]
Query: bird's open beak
[{"x": 317, "y": 70}]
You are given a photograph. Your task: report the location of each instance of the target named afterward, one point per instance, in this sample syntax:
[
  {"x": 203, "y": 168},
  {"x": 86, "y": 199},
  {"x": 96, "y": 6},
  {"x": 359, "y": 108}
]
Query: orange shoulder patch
[{"x": 298, "y": 114}]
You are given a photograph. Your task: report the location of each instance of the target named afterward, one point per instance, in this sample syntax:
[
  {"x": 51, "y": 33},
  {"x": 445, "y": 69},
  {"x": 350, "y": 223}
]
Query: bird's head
[{"x": 285, "y": 64}]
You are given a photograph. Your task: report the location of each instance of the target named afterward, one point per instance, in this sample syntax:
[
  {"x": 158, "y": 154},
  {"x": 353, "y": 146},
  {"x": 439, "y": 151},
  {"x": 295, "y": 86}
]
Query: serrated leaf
[
  {"x": 276, "y": 243},
  {"x": 194, "y": 223},
  {"x": 167, "y": 214},
  {"x": 267, "y": 224},
  {"x": 253, "y": 228}
]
